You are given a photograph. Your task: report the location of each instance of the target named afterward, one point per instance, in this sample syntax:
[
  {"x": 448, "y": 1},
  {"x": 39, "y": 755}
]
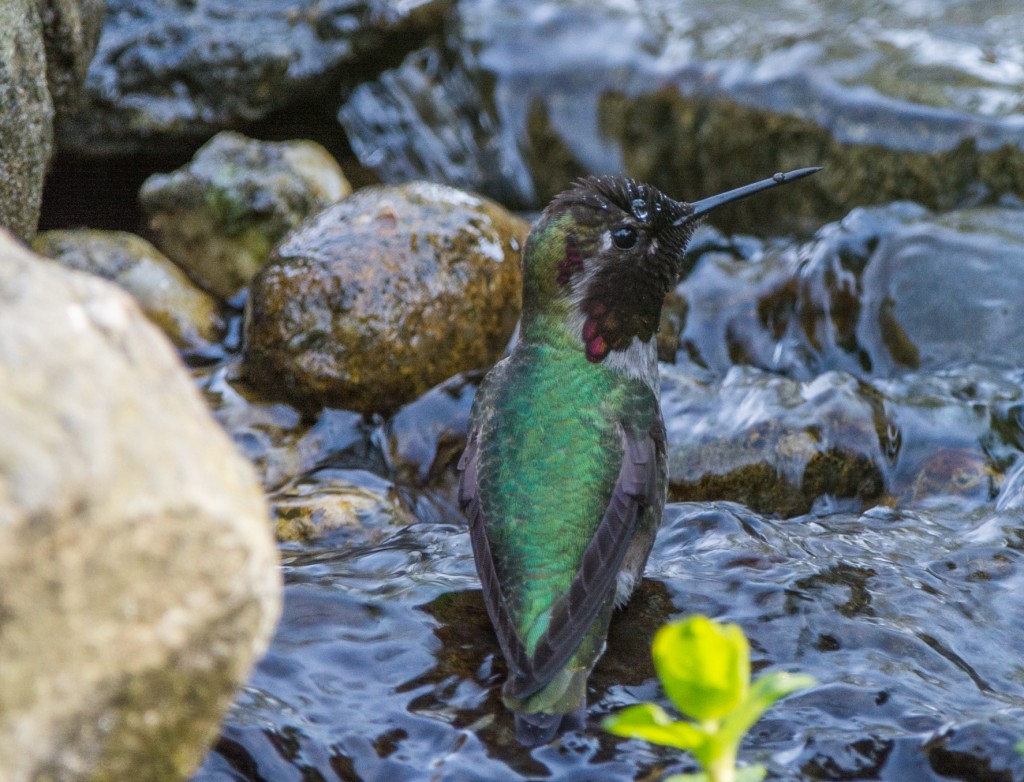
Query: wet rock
[
  {"x": 423, "y": 120},
  {"x": 895, "y": 289},
  {"x": 130, "y": 530},
  {"x": 188, "y": 315},
  {"x": 977, "y": 752},
  {"x": 169, "y": 74},
  {"x": 26, "y": 116},
  {"x": 948, "y": 435},
  {"x": 946, "y": 291},
  {"x": 382, "y": 295},
  {"x": 732, "y": 305},
  {"x": 956, "y": 472},
  {"x": 1011, "y": 495},
  {"x": 331, "y": 507},
  {"x": 697, "y": 99},
  {"x": 219, "y": 216},
  {"x": 885, "y": 291},
  {"x": 786, "y": 447},
  {"x": 861, "y": 759}
]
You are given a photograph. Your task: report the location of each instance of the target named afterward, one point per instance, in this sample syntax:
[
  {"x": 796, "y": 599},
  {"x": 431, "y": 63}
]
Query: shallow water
[{"x": 384, "y": 667}]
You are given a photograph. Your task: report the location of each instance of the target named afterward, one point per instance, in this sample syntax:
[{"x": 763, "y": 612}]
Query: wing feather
[{"x": 497, "y": 608}]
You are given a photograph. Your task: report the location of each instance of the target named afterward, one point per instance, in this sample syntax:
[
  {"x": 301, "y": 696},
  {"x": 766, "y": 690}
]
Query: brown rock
[{"x": 381, "y": 296}]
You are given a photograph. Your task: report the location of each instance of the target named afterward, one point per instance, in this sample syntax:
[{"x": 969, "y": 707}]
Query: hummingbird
[{"x": 564, "y": 478}]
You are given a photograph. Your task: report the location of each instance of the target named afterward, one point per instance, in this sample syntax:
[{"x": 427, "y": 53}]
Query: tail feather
[{"x": 538, "y": 728}]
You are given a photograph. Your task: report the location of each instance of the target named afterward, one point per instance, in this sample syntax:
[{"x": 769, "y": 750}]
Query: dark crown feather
[{"x": 638, "y": 200}]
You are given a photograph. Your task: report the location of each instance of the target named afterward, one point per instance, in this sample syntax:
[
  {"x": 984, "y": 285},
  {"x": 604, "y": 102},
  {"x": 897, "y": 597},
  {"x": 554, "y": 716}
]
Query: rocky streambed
[{"x": 842, "y": 378}]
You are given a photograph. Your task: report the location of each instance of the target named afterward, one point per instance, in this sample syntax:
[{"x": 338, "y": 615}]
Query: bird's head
[{"x": 606, "y": 252}]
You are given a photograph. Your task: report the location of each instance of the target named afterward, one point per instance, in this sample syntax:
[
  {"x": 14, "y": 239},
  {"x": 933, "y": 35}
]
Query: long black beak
[{"x": 705, "y": 205}]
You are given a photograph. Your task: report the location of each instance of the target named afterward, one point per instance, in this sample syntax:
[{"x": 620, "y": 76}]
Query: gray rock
[
  {"x": 219, "y": 216},
  {"x": 917, "y": 102},
  {"x": 26, "y": 116},
  {"x": 167, "y": 74},
  {"x": 188, "y": 315},
  {"x": 375, "y": 299},
  {"x": 71, "y": 30},
  {"x": 138, "y": 575}
]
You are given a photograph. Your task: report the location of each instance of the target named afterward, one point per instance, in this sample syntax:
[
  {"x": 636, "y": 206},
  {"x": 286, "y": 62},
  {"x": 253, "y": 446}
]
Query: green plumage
[{"x": 550, "y": 463}]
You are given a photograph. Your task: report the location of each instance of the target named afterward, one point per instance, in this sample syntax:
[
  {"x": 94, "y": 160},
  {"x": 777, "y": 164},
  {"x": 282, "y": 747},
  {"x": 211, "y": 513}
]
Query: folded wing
[{"x": 576, "y": 609}]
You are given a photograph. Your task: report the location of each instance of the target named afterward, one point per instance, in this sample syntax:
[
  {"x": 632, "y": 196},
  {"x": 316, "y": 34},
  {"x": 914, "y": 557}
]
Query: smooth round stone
[{"x": 381, "y": 296}]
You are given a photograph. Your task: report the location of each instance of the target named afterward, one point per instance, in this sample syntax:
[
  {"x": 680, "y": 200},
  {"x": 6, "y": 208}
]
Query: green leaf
[
  {"x": 765, "y": 691},
  {"x": 704, "y": 666},
  {"x": 651, "y": 722}
]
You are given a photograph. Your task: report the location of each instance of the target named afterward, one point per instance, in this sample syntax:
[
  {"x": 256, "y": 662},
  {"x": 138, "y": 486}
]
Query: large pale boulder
[{"x": 138, "y": 575}]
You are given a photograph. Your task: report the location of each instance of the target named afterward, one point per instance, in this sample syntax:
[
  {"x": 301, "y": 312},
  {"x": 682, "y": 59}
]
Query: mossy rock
[{"x": 219, "y": 216}]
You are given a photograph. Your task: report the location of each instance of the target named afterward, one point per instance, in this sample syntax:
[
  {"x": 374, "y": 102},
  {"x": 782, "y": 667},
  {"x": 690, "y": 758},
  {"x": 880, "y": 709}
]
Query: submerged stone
[
  {"x": 890, "y": 290},
  {"x": 772, "y": 443},
  {"x": 331, "y": 507},
  {"x": 885, "y": 291},
  {"x": 789, "y": 447},
  {"x": 219, "y": 216},
  {"x": 383, "y": 295},
  {"x": 918, "y": 102},
  {"x": 188, "y": 315}
]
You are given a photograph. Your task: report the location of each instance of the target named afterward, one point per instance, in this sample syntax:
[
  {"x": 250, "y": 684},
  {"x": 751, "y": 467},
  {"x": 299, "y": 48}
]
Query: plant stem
[{"x": 723, "y": 768}]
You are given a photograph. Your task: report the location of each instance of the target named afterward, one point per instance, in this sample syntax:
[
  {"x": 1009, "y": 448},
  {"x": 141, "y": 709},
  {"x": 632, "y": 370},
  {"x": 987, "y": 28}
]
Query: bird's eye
[{"x": 624, "y": 237}]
